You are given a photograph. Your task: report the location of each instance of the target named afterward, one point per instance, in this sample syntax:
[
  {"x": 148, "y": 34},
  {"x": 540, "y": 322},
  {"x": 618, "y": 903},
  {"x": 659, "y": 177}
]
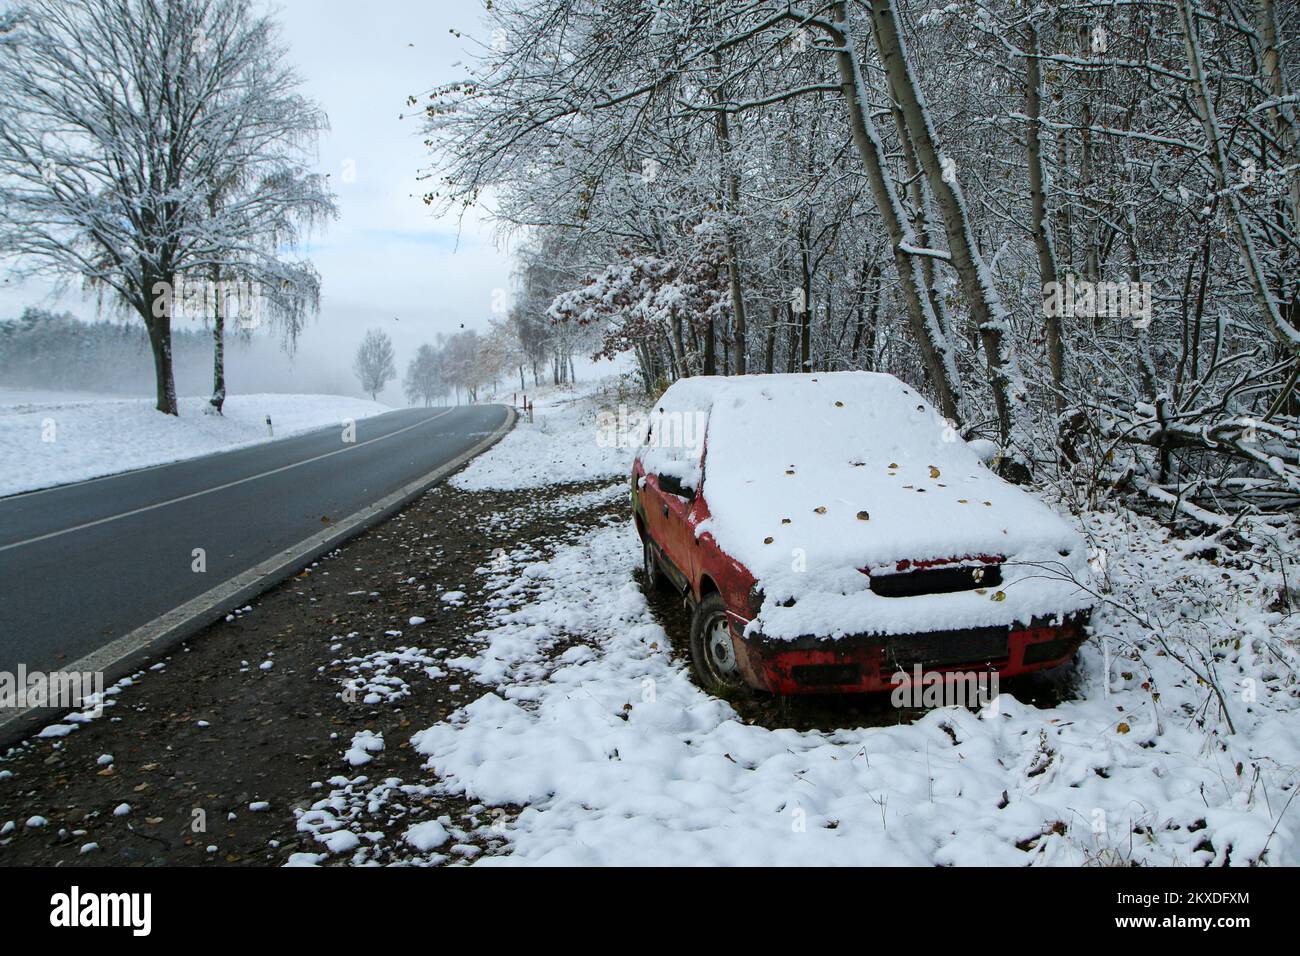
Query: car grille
[
  {"x": 973, "y": 646},
  {"x": 936, "y": 580}
]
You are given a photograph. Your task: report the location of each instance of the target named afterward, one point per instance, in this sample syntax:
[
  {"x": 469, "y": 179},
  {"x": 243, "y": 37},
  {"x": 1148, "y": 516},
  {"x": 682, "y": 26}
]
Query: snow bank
[
  {"x": 618, "y": 758},
  {"x": 52, "y": 443}
]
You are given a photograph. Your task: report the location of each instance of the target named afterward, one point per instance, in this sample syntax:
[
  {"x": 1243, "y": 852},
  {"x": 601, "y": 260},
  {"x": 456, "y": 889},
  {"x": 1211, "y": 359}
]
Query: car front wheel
[{"x": 713, "y": 655}]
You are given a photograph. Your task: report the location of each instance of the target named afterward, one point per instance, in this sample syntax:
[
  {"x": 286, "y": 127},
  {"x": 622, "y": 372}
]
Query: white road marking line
[
  {"x": 251, "y": 446},
  {"x": 208, "y": 491},
  {"x": 162, "y": 632}
]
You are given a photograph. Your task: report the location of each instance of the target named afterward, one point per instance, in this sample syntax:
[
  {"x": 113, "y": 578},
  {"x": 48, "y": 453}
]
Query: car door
[
  {"x": 683, "y": 510},
  {"x": 666, "y": 511},
  {"x": 678, "y": 437},
  {"x": 679, "y": 530}
]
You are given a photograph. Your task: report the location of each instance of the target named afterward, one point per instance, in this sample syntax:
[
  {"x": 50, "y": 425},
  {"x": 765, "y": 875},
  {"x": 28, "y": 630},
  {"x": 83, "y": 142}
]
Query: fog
[
  {"x": 386, "y": 261},
  {"x": 261, "y": 364}
]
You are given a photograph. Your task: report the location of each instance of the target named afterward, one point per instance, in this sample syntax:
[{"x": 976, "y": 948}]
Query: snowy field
[
  {"x": 591, "y": 724},
  {"x": 49, "y": 438}
]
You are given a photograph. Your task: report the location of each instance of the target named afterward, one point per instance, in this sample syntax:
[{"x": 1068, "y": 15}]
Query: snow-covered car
[{"x": 832, "y": 530}]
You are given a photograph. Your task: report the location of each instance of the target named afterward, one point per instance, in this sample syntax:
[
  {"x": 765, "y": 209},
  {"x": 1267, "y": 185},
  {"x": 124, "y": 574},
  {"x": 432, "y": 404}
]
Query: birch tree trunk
[
  {"x": 1044, "y": 241},
  {"x": 1283, "y": 115},
  {"x": 1287, "y": 335},
  {"x": 680, "y": 342},
  {"x": 732, "y": 200},
  {"x": 921, "y": 204},
  {"x": 977, "y": 285},
  {"x": 936, "y": 352},
  {"x": 805, "y": 316}
]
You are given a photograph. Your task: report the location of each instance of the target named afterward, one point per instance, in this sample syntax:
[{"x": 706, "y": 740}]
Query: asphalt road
[{"x": 84, "y": 564}]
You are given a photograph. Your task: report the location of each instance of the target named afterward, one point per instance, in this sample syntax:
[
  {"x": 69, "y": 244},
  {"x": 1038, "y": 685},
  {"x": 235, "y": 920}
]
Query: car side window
[
  {"x": 704, "y": 460},
  {"x": 674, "y": 440}
]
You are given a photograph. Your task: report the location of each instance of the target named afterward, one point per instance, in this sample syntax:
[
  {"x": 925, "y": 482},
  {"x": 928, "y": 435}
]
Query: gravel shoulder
[{"x": 216, "y": 745}]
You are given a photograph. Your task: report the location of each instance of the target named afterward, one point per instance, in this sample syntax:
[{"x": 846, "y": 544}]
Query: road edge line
[{"x": 125, "y": 655}]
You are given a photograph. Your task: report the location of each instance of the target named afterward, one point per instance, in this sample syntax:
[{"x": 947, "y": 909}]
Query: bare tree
[
  {"x": 423, "y": 381},
  {"x": 373, "y": 364},
  {"x": 987, "y": 310},
  {"x": 1287, "y": 334},
  {"x": 1044, "y": 240},
  {"x": 903, "y": 185},
  {"x": 149, "y": 143}
]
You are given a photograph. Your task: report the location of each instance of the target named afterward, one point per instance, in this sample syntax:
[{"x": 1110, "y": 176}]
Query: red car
[{"x": 831, "y": 531}]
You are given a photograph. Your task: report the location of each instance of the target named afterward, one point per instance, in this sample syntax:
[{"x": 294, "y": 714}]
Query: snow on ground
[
  {"x": 9, "y": 395},
  {"x": 56, "y": 441},
  {"x": 619, "y": 758},
  {"x": 565, "y": 442},
  {"x": 591, "y": 724}
]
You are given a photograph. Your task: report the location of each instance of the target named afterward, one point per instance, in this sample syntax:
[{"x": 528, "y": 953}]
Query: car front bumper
[{"x": 871, "y": 662}]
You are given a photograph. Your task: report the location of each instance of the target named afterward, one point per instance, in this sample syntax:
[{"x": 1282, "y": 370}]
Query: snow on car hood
[{"x": 811, "y": 478}]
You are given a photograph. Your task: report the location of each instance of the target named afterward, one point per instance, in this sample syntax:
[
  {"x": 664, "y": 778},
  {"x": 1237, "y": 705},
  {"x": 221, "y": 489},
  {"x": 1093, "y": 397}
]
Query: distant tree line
[
  {"x": 457, "y": 367},
  {"x": 42, "y": 349}
]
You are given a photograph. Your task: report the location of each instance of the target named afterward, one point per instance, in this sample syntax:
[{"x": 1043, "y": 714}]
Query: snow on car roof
[{"x": 810, "y": 478}]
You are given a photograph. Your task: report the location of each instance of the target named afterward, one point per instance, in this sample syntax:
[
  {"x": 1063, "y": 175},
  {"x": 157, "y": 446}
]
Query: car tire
[
  {"x": 713, "y": 656},
  {"x": 655, "y": 579}
]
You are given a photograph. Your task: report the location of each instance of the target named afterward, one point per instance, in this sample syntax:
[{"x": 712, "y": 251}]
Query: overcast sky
[{"x": 386, "y": 261}]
